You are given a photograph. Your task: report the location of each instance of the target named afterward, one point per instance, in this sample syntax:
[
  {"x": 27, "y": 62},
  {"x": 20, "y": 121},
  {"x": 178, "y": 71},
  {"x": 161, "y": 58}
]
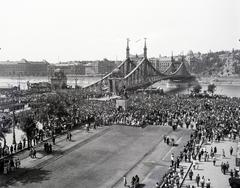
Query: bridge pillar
[{"x": 115, "y": 85}]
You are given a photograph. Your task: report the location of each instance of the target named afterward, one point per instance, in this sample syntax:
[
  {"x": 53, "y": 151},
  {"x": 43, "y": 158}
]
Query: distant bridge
[{"x": 132, "y": 75}]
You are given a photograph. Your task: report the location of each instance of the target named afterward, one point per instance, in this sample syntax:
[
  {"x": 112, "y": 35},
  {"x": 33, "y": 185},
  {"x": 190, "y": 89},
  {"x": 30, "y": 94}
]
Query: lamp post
[
  {"x": 75, "y": 71},
  {"x": 14, "y": 123}
]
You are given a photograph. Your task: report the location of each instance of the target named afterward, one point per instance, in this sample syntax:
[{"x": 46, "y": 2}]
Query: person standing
[
  {"x": 190, "y": 174},
  {"x": 215, "y": 150},
  {"x": 133, "y": 181},
  {"x": 199, "y": 156},
  {"x": 67, "y": 136},
  {"x": 223, "y": 153},
  {"x": 53, "y": 139},
  {"x": 157, "y": 185},
  {"x": 231, "y": 150},
  {"x": 87, "y": 127},
  {"x": 172, "y": 159},
  {"x": 231, "y": 173},
  {"x": 177, "y": 162},
  {"x": 136, "y": 180},
  {"x": 34, "y": 153},
  {"x": 214, "y": 161},
  {"x": 11, "y": 149},
  {"x": 12, "y": 165},
  {"x": 208, "y": 183},
  {"x": 181, "y": 172},
  {"x": 24, "y": 142},
  {"x": 197, "y": 179},
  {"x": 31, "y": 153},
  {"x": 202, "y": 182},
  {"x": 124, "y": 181},
  {"x": 227, "y": 166},
  {"x": 177, "y": 182},
  {"x": 224, "y": 168}
]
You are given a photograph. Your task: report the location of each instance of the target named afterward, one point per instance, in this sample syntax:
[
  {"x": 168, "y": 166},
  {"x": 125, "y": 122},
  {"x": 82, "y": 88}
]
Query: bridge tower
[
  {"x": 145, "y": 48},
  {"x": 128, "y": 50},
  {"x": 172, "y": 58}
]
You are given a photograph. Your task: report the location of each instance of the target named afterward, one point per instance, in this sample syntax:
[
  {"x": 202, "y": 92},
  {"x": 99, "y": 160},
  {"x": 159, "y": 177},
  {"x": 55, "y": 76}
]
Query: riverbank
[
  {"x": 235, "y": 81},
  {"x": 8, "y": 82}
]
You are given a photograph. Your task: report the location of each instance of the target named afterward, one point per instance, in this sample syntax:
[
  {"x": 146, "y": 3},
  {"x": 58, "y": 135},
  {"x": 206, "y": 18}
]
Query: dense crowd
[
  {"x": 218, "y": 113},
  {"x": 212, "y": 116}
]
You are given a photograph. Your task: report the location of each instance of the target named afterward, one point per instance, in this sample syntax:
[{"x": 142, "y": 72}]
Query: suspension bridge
[{"x": 137, "y": 74}]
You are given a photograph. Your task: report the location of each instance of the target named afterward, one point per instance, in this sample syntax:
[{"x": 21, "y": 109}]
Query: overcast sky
[{"x": 62, "y": 30}]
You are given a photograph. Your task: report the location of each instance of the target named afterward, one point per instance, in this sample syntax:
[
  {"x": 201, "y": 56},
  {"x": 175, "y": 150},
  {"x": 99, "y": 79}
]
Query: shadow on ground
[
  {"x": 54, "y": 152},
  {"x": 26, "y": 176},
  {"x": 138, "y": 186}
]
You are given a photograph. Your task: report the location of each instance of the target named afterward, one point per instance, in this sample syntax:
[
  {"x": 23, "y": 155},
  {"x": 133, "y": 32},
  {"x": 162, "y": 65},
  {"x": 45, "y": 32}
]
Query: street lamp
[{"x": 14, "y": 122}]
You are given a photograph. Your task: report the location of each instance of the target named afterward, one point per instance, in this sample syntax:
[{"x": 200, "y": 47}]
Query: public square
[
  {"x": 101, "y": 160},
  {"x": 120, "y": 94}
]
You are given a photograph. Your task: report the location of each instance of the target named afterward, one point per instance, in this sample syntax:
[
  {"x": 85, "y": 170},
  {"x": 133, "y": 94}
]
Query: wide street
[{"x": 104, "y": 159}]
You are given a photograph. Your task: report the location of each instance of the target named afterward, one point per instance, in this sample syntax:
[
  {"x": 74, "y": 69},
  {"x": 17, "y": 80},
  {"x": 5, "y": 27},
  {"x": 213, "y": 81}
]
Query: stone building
[
  {"x": 69, "y": 68},
  {"x": 24, "y": 68}
]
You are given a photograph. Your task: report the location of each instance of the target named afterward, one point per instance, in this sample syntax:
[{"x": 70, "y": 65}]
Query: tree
[
  {"x": 4, "y": 129},
  {"x": 2, "y": 137},
  {"x": 197, "y": 89},
  {"x": 28, "y": 125},
  {"x": 211, "y": 88}
]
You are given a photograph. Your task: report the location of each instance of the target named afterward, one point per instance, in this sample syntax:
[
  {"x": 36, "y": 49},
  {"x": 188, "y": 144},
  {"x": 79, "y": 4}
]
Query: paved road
[{"x": 103, "y": 160}]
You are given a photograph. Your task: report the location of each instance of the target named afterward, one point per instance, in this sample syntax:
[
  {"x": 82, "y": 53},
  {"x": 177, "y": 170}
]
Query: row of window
[{"x": 22, "y": 74}]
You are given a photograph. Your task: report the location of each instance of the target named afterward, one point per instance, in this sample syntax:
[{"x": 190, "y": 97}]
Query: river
[
  {"x": 231, "y": 90},
  {"x": 7, "y": 82}
]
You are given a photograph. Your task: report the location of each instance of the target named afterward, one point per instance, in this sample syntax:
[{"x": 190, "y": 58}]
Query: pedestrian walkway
[
  {"x": 62, "y": 146},
  {"x": 214, "y": 173}
]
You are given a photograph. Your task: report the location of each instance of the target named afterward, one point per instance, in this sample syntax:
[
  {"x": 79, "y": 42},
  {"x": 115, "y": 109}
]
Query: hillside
[{"x": 215, "y": 64}]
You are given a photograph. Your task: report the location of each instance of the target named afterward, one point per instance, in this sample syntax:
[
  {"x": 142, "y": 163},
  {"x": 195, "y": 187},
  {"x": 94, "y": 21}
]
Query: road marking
[{"x": 171, "y": 149}]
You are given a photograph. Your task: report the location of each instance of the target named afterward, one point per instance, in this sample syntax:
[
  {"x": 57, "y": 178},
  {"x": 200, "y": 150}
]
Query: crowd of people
[
  {"x": 211, "y": 117},
  {"x": 210, "y": 155},
  {"x": 189, "y": 152},
  {"x": 13, "y": 148},
  {"x": 10, "y": 165}
]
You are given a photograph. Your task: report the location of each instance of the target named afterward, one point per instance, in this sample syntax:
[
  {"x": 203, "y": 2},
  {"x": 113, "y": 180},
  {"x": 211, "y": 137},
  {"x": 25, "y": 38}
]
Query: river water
[
  {"x": 7, "y": 82},
  {"x": 230, "y": 90}
]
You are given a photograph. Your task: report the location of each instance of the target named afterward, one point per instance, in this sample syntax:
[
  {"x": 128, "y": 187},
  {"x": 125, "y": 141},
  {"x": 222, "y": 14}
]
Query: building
[
  {"x": 66, "y": 67},
  {"x": 69, "y": 68},
  {"x": 24, "y": 68},
  {"x": 99, "y": 67},
  {"x": 84, "y": 67},
  {"x": 155, "y": 62},
  {"x": 105, "y": 66},
  {"x": 91, "y": 68},
  {"x": 161, "y": 63},
  {"x": 9, "y": 68}
]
